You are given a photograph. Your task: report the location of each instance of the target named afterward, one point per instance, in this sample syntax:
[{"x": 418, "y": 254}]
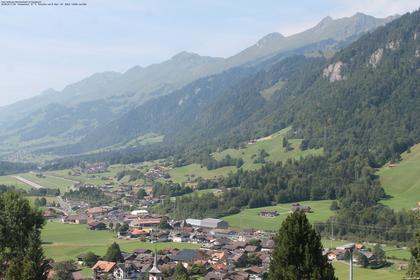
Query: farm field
[
  {"x": 249, "y": 217},
  {"x": 402, "y": 182},
  {"x": 271, "y": 144},
  {"x": 63, "y": 241},
  {"x": 389, "y": 273},
  {"x": 99, "y": 178},
  {"x": 10, "y": 181},
  {"x": 48, "y": 181}
]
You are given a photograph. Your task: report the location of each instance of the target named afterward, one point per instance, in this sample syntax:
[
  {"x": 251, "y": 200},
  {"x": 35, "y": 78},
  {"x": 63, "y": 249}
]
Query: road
[
  {"x": 64, "y": 205},
  {"x": 29, "y": 183}
]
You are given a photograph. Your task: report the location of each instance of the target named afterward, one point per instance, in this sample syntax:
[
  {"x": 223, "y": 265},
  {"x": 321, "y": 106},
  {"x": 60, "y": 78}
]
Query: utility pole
[{"x": 349, "y": 248}]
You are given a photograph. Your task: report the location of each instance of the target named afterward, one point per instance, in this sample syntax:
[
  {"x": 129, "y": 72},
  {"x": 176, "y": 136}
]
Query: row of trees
[{"x": 92, "y": 195}]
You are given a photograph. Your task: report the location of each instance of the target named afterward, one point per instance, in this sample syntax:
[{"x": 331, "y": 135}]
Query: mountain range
[{"x": 71, "y": 117}]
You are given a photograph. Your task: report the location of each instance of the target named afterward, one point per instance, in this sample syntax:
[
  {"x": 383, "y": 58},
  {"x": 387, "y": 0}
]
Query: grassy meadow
[
  {"x": 10, "y": 181},
  {"x": 271, "y": 144},
  {"x": 402, "y": 182},
  {"x": 389, "y": 273},
  {"x": 249, "y": 218},
  {"x": 64, "y": 242}
]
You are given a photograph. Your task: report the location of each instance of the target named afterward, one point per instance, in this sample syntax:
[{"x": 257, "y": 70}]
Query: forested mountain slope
[
  {"x": 34, "y": 124},
  {"x": 363, "y": 100}
]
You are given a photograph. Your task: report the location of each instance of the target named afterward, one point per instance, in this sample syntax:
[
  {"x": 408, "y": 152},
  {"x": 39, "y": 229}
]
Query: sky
[{"x": 45, "y": 47}]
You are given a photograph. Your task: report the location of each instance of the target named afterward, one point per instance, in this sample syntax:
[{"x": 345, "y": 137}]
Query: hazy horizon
[{"x": 56, "y": 46}]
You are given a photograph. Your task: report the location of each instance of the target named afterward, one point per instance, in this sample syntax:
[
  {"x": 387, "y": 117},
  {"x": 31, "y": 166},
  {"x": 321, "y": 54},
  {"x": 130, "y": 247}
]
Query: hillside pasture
[
  {"x": 250, "y": 218},
  {"x": 271, "y": 144},
  {"x": 402, "y": 180}
]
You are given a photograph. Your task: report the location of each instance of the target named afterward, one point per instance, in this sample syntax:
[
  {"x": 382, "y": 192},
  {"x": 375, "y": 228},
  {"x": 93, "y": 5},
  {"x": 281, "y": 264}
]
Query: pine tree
[
  {"x": 297, "y": 253},
  {"x": 414, "y": 268},
  {"x": 34, "y": 265},
  {"x": 21, "y": 254},
  {"x": 113, "y": 254}
]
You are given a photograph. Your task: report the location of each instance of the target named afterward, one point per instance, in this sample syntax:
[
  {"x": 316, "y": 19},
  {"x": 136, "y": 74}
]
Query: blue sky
[{"x": 50, "y": 47}]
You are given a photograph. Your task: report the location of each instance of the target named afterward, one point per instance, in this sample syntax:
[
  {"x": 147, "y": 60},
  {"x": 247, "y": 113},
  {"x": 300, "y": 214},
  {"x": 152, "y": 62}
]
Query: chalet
[
  {"x": 145, "y": 222},
  {"x": 96, "y": 225},
  {"x": 187, "y": 256},
  {"x": 135, "y": 233},
  {"x": 251, "y": 249},
  {"x": 95, "y": 211},
  {"x": 220, "y": 267},
  {"x": 269, "y": 214},
  {"x": 75, "y": 219},
  {"x": 267, "y": 245},
  {"x": 126, "y": 271},
  {"x": 103, "y": 270},
  {"x": 337, "y": 254},
  {"x": 297, "y": 207},
  {"x": 254, "y": 272},
  {"x": 235, "y": 245},
  {"x": 50, "y": 214}
]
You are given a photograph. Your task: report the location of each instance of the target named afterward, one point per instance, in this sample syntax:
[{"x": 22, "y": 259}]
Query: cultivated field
[
  {"x": 271, "y": 144},
  {"x": 64, "y": 242},
  {"x": 402, "y": 181},
  {"x": 249, "y": 218}
]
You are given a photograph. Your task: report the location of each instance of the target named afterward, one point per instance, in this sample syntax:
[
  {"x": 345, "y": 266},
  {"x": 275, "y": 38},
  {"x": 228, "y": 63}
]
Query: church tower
[{"x": 154, "y": 273}]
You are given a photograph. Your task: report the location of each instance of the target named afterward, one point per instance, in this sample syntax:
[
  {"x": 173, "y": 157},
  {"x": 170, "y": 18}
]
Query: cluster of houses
[
  {"x": 339, "y": 254},
  {"x": 223, "y": 254},
  {"x": 90, "y": 168},
  {"x": 156, "y": 172},
  {"x": 221, "y": 257}
]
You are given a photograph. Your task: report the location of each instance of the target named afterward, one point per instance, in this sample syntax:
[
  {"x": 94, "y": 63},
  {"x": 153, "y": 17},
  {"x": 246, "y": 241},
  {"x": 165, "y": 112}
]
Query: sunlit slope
[{"x": 402, "y": 181}]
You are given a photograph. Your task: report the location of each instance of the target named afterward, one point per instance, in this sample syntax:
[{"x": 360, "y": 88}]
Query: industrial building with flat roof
[{"x": 208, "y": 223}]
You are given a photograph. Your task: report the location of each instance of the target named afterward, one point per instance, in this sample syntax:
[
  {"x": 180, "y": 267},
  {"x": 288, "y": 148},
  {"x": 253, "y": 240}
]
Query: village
[{"x": 223, "y": 253}]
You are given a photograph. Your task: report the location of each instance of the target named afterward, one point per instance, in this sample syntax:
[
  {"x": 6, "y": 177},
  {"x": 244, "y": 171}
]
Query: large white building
[{"x": 208, "y": 223}]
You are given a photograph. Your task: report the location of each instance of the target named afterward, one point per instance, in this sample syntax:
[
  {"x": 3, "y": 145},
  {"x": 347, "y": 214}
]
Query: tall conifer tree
[{"x": 298, "y": 252}]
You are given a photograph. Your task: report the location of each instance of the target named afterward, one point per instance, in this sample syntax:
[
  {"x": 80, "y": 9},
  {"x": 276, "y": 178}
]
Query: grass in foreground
[
  {"x": 64, "y": 242},
  {"x": 402, "y": 182},
  {"x": 249, "y": 218}
]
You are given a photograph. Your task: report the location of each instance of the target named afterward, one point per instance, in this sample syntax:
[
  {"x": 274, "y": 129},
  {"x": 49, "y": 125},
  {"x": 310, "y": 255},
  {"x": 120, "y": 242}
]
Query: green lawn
[
  {"x": 402, "y": 182},
  {"x": 342, "y": 272},
  {"x": 63, "y": 241},
  {"x": 10, "y": 181},
  {"x": 271, "y": 144},
  {"x": 391, "y": 251},
  {"x": 48, "y": 182},
  {"x": 249, "y": 218},
  {"x": 180, "y": 174}
]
